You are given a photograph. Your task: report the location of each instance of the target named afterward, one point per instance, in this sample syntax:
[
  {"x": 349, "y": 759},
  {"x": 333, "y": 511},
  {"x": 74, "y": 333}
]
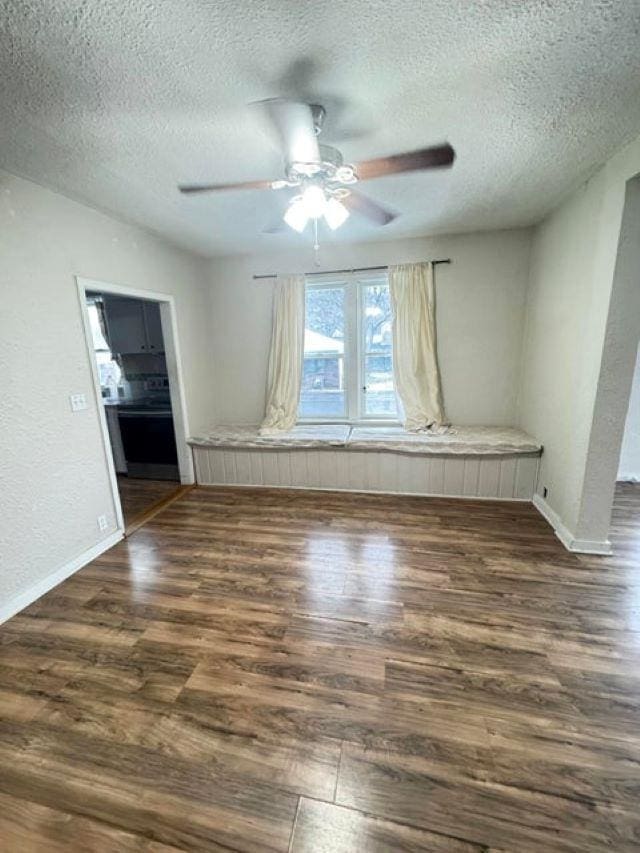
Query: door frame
[{"x": 174, "y": 370}]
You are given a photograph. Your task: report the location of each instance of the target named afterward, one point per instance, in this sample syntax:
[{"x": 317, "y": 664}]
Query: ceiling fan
[{"x": 325, "y": 182}]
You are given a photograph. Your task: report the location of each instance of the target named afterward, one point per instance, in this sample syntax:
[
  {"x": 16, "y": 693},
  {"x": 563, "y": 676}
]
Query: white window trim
[{"x": 353, "y": 350}]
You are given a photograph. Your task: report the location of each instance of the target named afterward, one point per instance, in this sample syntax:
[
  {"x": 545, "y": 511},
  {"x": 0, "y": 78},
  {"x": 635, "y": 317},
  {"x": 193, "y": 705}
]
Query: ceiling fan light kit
[
  {"x": 314, "y": 203},
  {"x": 321, "y": 174}
]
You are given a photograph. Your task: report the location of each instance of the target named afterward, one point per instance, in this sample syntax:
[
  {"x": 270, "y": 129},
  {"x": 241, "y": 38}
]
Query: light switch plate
[{"x": 78, "y": 402}]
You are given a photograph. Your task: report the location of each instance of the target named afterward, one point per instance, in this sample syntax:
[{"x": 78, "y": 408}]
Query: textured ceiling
[{"x": 114, "y": 103}]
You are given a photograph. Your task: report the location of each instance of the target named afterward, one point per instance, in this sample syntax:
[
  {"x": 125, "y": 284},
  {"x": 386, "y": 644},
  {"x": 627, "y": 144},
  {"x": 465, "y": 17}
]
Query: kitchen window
[
  {"x": 347, "y": 373},
  {"x": 109, "y": 371}
]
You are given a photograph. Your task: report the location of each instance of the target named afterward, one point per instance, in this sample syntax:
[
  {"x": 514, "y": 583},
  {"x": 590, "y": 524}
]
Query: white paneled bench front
[{"x": 473, "y": 462}]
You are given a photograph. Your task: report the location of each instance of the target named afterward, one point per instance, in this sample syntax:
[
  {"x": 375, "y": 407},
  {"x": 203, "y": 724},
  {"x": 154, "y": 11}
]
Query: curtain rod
[{"x": 353, "y": 269}]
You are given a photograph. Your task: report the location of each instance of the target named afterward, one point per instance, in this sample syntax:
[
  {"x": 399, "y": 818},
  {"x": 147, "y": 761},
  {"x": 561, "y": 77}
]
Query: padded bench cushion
[
  {"x": 470, "y": 441},
  {"x": 474, "y": 440},
  {"x": 301, "y": 437}
]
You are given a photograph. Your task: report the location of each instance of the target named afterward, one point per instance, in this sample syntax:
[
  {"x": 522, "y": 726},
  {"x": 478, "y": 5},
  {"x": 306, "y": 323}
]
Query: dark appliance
[{"x": 149, "y": 442}]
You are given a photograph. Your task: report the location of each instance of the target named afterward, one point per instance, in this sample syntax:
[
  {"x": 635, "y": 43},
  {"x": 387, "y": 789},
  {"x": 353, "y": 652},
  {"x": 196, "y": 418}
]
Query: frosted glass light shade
[
  {"x": 296, "y": 216},
  {"x": 314, "y": 201},
  {"x": 335, "y": 213}
]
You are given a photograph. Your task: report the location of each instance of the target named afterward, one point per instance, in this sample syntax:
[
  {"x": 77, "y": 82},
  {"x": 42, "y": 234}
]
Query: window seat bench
[{"x": 484, "y": 462}]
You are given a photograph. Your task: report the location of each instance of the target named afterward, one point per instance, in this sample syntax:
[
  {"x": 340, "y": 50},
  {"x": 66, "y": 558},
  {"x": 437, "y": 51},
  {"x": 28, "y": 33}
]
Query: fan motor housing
[
  {"x": 331, "y": 156},
  {"x": 330, "y": 168}
]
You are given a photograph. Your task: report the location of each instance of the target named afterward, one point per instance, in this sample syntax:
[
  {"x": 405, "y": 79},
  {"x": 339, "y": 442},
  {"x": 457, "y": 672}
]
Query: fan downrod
[{"x": 318, "y": 114}]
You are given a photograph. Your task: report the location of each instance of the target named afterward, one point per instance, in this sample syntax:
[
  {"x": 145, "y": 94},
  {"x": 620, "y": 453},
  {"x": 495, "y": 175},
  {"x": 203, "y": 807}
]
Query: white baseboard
[
  {"x": 628, "y": 478},
  {"x": 24, "y": 599},
  {"x": 579, "y": 546}
]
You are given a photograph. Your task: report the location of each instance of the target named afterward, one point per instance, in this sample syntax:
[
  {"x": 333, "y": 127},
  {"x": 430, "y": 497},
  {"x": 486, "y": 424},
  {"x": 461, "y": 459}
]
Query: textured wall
[
  {"x": 556, "y": 400},
  {"x": 629, "y": 468},
  {"x": 572, "y": 273},
  {"x": 52, "y": 466},
  {"x": 480, "y": 303}
]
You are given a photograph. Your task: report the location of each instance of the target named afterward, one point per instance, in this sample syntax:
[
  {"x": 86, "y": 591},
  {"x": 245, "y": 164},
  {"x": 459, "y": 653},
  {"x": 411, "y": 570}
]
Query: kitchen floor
[{"x": 138, "y": 496}]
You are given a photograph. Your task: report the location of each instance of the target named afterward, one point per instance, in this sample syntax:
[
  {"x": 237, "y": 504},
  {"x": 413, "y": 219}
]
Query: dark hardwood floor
[
  {"x": 138, "y": 496},
  {"x": 261, "y": 670}
]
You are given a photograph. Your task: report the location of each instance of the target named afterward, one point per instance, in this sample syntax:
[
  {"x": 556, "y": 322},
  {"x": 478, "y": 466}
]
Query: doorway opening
[{"x": 132, "y": 341}]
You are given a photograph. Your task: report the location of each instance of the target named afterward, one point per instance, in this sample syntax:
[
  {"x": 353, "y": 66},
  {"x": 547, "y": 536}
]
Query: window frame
[{"x": 354, "y": 356}]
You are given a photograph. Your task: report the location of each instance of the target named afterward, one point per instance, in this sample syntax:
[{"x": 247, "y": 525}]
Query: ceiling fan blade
[
  {"x": 210, "y": 188},
  {"x": 358, "y": 203},
  {"x": 276, "y": 226},
  {"x": 436, "y": 157},
  {"x": 294, "y": 122}
]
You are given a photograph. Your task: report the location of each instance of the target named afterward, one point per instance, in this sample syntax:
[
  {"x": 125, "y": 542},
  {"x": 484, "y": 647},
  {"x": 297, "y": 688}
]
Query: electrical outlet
[
  {"x": 78, "y": 402},
  {"x": 102, "y": 522}
]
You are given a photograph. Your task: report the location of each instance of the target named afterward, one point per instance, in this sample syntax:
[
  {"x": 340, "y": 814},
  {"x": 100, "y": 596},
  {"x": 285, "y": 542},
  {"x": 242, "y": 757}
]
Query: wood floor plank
[
  {"x": 569, "y": 757},
  {"x": 438, "y": 795},
  {"x": 270, "y": 707},
  {"x": 327, "y": 828},
  {"x": 307, "y": 768},
  {"x": 484, "y": 690},
  {"x": 176, "y": 802},
  {"x": 254, "y": 670},
  {"x": 31, "y": 828}
]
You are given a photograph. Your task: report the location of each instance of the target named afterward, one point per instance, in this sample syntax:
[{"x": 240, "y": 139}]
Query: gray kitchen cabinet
[
  {"x": 133, "y": 325},
  {"x": 153, "y": 326},
  {"x": 125, "y": 325}
]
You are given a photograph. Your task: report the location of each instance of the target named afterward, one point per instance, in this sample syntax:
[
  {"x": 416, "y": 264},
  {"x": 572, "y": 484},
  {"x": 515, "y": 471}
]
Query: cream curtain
[
  {"x": 285, "y": 356},
  {"x": 415, "y": 360}
]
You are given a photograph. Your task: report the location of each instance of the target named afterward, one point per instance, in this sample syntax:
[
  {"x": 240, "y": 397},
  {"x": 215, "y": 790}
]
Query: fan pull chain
[{"x": 316, "y": 245}]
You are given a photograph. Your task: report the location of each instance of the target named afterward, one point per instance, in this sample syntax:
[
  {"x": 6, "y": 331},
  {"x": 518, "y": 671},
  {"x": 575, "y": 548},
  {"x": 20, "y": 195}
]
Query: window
[
  {"x": 347, "y": 373},
  {"x": 108, "y": 369}
]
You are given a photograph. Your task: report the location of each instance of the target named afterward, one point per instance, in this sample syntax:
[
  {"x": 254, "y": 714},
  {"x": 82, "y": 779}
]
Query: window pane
[
  {"x": 99, "y": 341},
  {"x": 322, "y": 393},
  {"x": 109, "y": 372},
  {"x": 324, "y": 320},
  {"x": 379, "y": 398},
  {"x": 377, "y": 318}
]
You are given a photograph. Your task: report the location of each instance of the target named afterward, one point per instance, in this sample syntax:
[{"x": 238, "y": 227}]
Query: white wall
[
  {"x": 556, "y": 395},
  {"x": 629, "y": 468},
  {"x": 52, "y": 468},
  {"x": 569, "y": 305},
  {"x": 480, "y": 304}
]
